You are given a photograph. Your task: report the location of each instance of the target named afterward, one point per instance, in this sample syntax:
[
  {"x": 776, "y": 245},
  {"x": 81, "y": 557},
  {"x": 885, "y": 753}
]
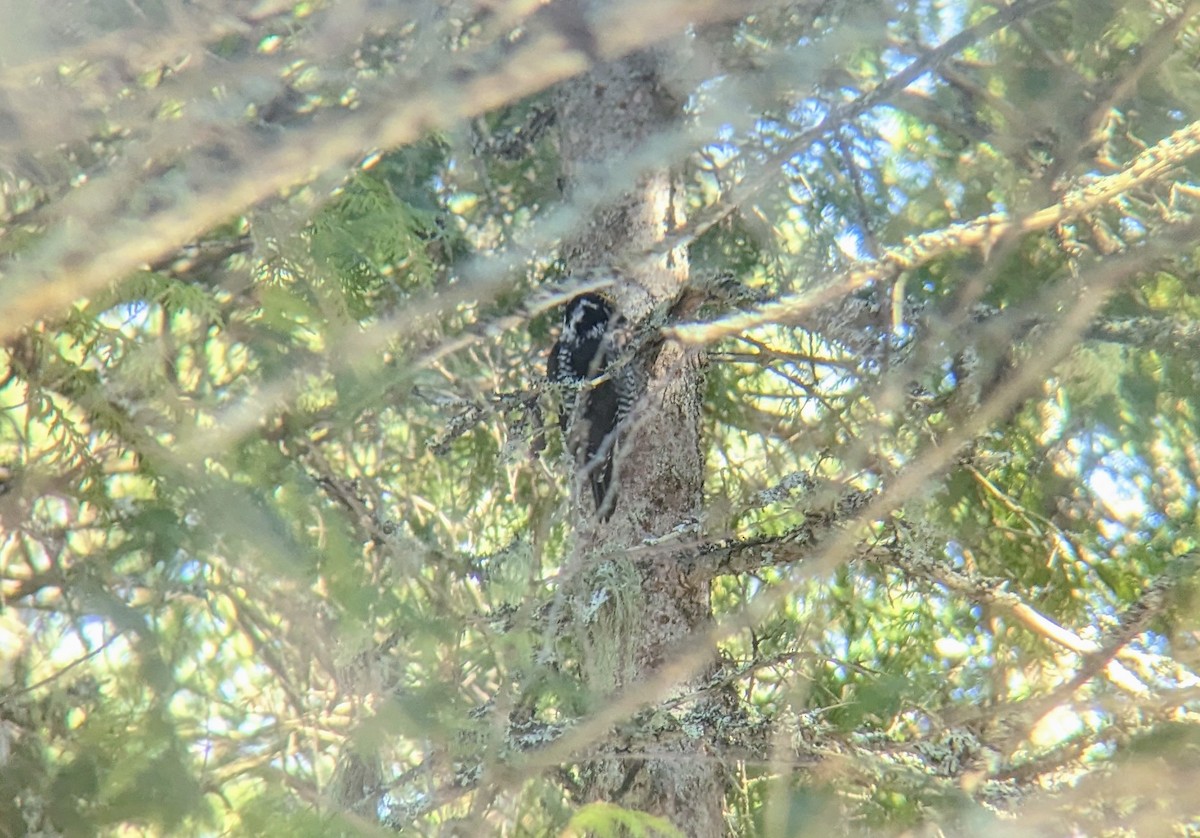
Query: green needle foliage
[{"x": 287, "y": 543}]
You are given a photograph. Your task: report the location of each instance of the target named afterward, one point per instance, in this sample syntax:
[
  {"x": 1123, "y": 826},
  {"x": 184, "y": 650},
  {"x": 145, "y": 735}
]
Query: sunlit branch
[
  {"x": 909, "y": 482},
  {"x": 767, "y": 174},
  {"x": 995, "y": 592},
  {"x": 240, "y": 169},
  {"x": 984, "y": 233}
]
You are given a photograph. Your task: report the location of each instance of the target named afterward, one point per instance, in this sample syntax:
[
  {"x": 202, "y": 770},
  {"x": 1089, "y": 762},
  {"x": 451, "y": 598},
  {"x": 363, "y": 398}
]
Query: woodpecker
[{"x": 592, "y": 414}]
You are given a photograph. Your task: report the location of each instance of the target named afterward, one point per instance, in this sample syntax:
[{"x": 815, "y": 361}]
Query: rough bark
[{"x": 604, "y": 116}]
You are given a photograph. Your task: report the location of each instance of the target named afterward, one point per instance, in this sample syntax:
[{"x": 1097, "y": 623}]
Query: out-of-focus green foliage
[{"x": 294, "y": 492}]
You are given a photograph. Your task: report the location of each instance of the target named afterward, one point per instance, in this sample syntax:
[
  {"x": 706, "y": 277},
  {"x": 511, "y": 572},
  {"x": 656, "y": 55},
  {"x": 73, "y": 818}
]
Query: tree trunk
[{"x": 605, "y": 116}]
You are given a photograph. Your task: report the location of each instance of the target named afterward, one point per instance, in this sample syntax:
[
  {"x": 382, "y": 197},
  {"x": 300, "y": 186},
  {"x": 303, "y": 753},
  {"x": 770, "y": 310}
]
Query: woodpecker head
[
  {"x": 586, "y": 317},
  {"x": 581, "y": 350}
]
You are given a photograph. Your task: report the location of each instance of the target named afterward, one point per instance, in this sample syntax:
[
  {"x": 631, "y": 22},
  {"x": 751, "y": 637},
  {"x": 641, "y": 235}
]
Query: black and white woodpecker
[{"x": 597, "y": 396}]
